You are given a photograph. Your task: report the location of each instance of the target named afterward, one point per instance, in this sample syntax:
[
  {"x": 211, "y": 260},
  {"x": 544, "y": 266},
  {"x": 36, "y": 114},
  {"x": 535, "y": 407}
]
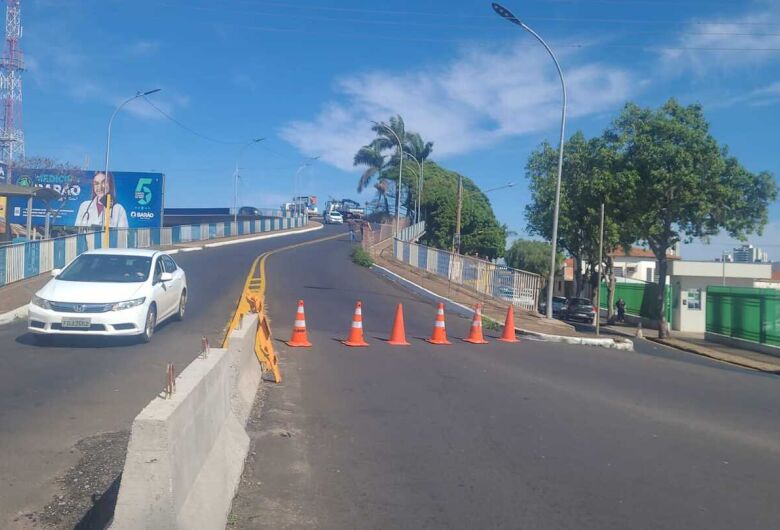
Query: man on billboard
[{"x": 91, "y": 212}]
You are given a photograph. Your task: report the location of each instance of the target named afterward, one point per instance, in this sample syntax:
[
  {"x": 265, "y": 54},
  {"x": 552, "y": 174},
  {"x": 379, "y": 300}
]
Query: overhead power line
[
  {"x": 485, "y": 27},
  {"x": 374, "y": 37},
  {"x": 300, "y": 8},
  {"x": 190, "y": 129}
]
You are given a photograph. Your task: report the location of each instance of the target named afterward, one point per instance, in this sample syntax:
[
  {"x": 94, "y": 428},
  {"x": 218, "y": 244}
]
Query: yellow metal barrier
[{"x": 252, "y": 300}]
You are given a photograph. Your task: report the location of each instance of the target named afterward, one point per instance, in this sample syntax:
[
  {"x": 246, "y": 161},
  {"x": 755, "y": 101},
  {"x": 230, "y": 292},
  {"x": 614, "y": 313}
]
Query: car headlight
[
  {"x": 40, "y": 302},
  {"x": 127, "y": 304}
]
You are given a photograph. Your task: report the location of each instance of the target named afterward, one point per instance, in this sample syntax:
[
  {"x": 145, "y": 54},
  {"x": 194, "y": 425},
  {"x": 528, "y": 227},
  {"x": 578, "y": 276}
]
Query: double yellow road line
[{"x": 254, "y": 285}]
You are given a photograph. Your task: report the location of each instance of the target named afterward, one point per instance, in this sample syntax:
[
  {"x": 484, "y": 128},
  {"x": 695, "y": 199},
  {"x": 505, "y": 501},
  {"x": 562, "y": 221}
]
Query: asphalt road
[
  {"x": 53, "y": 397},
  {"x": 529, "y": 435}
]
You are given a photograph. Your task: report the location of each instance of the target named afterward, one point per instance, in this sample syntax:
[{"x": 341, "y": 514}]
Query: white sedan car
[
  {"x": 110, "y": 292},
  {"x": 334, "y": 217}
]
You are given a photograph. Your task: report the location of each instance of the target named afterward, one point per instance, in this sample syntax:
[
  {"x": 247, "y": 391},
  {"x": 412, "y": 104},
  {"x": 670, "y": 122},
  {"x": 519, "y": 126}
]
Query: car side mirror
[
  {"x": 166, "y": 277},
  {"x": 55, "y": 272}
]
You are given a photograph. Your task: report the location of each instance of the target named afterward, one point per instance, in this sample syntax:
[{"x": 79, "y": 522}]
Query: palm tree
[
  {"x": 370, "y": 156},
  {"x": 381, "y": 190},
  {"x": 418, "y": 148},
  {"x": 385, "y": 140}
]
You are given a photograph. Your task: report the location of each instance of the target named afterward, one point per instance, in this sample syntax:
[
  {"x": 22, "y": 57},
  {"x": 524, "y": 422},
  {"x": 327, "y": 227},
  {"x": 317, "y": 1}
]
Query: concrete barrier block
[
  {"x": 246, "y": 369},
  {"x": 185, "y": 454}
]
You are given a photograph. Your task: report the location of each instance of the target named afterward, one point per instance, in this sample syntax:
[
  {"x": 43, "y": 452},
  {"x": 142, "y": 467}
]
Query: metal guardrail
[
  {"x": 521, "y": 288},
  {"x": 25, "y": 260},
  {"x": 413, "y": 232},
  {"x": 375, "y": 233}
]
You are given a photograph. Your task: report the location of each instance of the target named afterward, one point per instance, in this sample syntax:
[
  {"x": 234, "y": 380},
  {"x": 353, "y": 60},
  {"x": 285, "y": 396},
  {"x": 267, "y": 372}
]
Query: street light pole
[
  {"x": 419, "y": 188},
  {"x": 109, "y": 198},
  {"x": 305, "y": 164},
  {"x": 400, "y": 174},
  {"x": 505, "y": 13},
  {"x": 236, "y": 176}
]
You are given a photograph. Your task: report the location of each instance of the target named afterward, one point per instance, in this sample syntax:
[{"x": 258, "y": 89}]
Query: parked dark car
[
  {"x": 249, "y": 210},
  {"x": 559, "y": 303},
  {"x": 579, "y": 309}
]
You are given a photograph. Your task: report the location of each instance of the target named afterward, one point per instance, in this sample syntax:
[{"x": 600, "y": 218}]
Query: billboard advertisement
[{"x": 136, "y": 198}]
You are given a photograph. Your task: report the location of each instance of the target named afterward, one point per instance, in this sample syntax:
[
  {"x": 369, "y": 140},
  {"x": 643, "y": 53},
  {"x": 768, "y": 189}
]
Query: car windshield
[
  {"x": 113, "y": 268},
  {"x": 559, "y": 299},
  {"x": 580, "y": 301}
]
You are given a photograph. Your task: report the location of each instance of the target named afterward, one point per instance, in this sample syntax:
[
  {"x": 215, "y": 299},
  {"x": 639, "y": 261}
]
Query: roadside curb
[
  {"x": 10, "y": 316},
  {"x": 718, "y": 356},
  {"x": 468, "y": 312}
]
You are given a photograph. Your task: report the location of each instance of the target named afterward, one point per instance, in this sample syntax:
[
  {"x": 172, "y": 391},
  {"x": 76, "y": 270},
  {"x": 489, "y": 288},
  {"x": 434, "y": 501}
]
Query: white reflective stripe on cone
[
  {"x": 440, "y": 311},
  {"x": 358, "y": 311},
  {"x": 300, "y": 323},
  {"x": 357, "y": 324},
  {"x": 439, "y": 324},
  {"x": 476, "y": 324}
]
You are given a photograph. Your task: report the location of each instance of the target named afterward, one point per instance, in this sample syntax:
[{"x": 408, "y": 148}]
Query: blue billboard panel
[{"x": 136, "y": 198}]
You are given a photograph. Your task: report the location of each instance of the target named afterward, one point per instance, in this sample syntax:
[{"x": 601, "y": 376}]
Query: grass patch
[
  {"x": 361, "y": 257},
  {"x": 491, "y": 324}
]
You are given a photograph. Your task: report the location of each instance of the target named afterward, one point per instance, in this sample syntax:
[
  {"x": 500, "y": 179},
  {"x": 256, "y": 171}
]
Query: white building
[
  {"x": 637, "y": 264},
  {"x": 749, "y": 254},
  {"x": 689, "y": 281}
]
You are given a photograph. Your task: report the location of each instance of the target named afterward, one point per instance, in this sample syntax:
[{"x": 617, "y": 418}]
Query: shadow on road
[
  {"x": 84, "y": 341},
  {"x": 102, "y": 511}
]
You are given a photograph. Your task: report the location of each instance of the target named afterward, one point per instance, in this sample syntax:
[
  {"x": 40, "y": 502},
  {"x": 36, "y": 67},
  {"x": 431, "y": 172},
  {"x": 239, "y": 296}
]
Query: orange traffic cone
[
  {"x": 300, "y": 338},
  {"x": 439, "y": 335},
  {"x": 356, "y": 331},
  {"x": 509, "y": 326},
  {"x": 398, "y": 334},
  {"x": 475, "y": 335}
]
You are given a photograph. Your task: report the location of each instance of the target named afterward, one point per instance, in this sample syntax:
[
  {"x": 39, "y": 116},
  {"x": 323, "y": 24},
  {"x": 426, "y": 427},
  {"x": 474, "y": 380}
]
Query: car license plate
[{"x": 77, "y": 323}]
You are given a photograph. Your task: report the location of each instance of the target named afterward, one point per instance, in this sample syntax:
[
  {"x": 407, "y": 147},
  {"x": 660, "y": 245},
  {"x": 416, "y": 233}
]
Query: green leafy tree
[
  {"x": 532, "y": 256},
  {"x": 481, "y": 233},
  {"x": 588, "y": 180},
  {"x": 677, "y": 183},
  {"x": 579, "y": 163}
]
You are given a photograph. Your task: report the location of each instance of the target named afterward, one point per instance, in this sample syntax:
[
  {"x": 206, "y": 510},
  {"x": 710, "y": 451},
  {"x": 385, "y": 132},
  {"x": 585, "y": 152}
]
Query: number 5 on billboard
[{"x": 143, "y": 193}]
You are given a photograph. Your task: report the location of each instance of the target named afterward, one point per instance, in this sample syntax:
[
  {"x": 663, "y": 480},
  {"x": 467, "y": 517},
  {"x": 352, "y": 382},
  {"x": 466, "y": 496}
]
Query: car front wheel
[
  {"x": 179, "y": 316},
  {"x": 151, "y": 322}
]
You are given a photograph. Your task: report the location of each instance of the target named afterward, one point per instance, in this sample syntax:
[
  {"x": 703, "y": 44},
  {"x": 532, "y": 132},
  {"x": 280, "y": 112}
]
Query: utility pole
[
  {"x": 601, "y": 261},
  {"x": 456, "y": 239},
  {"x": 11, "y": 68}
]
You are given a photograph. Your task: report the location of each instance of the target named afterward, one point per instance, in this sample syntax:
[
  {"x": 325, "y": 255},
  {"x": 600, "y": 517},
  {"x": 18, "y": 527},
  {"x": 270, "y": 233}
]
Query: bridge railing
[
  {"x": 519, "y": 287},
  {"x": 19, "y": 261},
  {"x": 375, "y": 233}
]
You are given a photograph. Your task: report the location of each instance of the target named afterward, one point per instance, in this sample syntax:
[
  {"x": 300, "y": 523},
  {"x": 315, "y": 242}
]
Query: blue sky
[{"x": 309, "y": 76}]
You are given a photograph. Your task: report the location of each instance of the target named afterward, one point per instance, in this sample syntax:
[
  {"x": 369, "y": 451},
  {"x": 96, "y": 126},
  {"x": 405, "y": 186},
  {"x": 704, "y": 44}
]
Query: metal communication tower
[{"x": 11, "y": 68}]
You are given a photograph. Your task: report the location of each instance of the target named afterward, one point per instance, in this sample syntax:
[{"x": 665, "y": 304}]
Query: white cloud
[
  {"x": 483, "y": 96},
  {"x": 709, "y": 45}
]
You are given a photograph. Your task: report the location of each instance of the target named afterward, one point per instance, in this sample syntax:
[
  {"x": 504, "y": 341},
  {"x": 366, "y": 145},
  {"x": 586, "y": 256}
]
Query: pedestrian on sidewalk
[{"x": 621, "y": 310}]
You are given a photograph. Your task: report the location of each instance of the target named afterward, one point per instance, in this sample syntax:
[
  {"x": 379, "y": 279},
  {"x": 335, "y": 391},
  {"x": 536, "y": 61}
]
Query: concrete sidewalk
[
  {"x": 17, "y": 295},
  {"x": 695, "y": 343}
]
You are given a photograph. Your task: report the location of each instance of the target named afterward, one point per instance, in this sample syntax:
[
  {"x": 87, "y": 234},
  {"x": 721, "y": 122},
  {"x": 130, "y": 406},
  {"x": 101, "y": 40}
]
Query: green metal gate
[{"x": 745, "y": 313}]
